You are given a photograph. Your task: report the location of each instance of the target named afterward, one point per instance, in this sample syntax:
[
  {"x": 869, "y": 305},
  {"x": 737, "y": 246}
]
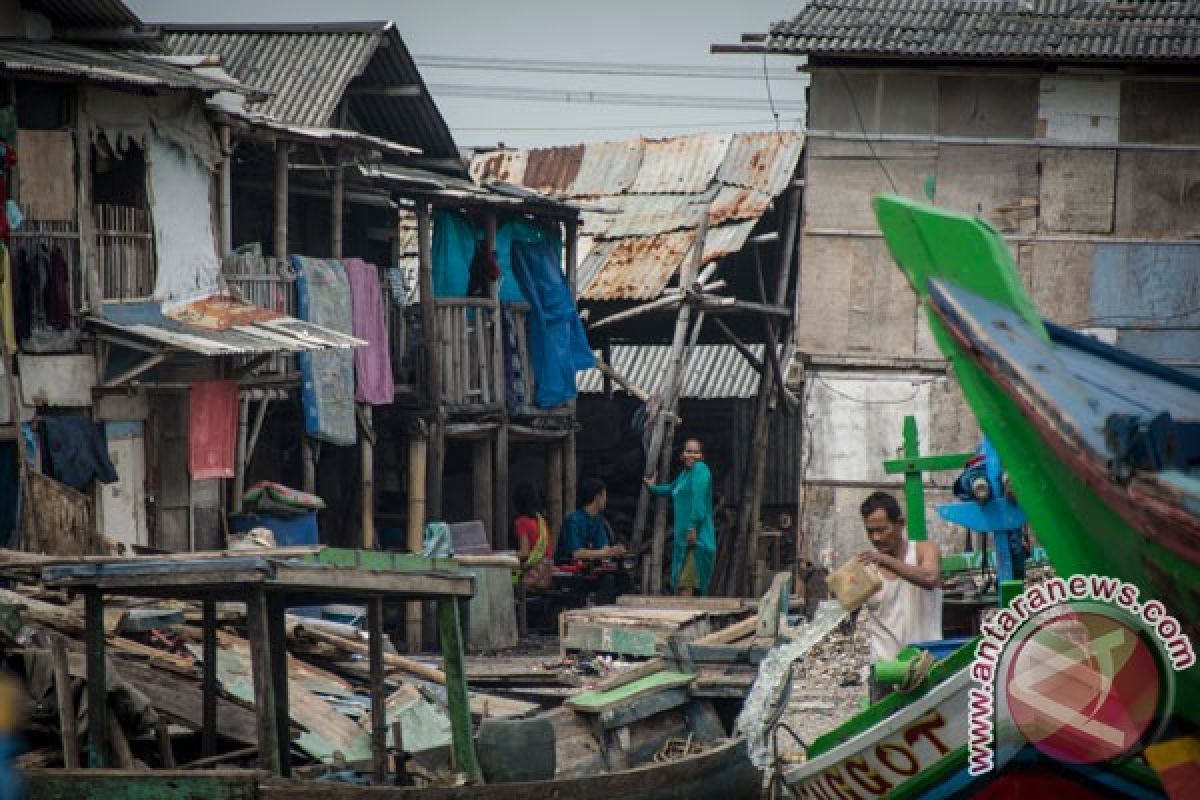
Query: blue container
[
  {"x": 289, "y": 531},
  {"x": 943, "y": 647}
]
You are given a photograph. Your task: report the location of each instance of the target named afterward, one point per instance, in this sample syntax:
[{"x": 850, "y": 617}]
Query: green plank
[
  {"x": 914, "y": 487},
  {"x": 451, "y": 641},
  {"x": 927, "y": 463},
  {"x": 599, "y": 701},
  {"x": 380, "y": 560},
  {"x": 614, "y": 638}
]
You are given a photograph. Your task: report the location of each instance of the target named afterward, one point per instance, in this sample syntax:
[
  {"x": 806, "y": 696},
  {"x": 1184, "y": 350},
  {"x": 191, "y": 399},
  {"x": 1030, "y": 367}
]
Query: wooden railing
[{"x": 124, "y": 252}]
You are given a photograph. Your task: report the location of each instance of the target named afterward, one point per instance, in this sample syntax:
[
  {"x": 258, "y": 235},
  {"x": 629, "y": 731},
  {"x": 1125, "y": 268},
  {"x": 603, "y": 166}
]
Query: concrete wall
[{"x": 1094, "y": 180}]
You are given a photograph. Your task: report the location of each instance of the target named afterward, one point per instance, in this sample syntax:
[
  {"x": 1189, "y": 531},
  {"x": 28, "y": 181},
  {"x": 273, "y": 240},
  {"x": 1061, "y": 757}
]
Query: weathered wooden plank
[
  {"x": 643, "y": 707},
  {"x": 451, "y": 641},
  {"x": 599, "y": 701},
  {"x": 181, "y": 700},
  {"x": 1156, "y": 195},
  {"x": 140, "y": 784},
  {"x": 708, "y": 604},
  {"x": 1078, "y": 190},
  {"x": 847, "y": 177},
  {"x": 998, "y": 183},
  {"x": 987, "y": 106}
]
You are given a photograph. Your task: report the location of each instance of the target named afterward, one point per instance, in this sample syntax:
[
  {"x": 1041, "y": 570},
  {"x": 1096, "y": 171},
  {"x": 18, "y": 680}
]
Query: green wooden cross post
[{"x": 911, "y": 466}]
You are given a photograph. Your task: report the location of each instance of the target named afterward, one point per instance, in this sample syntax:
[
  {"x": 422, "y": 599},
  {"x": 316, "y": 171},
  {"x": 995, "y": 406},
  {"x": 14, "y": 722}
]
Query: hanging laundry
[
  {"x": 328, "y": 390},
  {"x": 77, "y": 451},
  {"x": 58, "y": 304},
  {"x": 6, "y": 300},
  {"x": 516, "y": 382},
  {"x": 484, "y": 271},
  {"x": 372, "y": 363},
  {"x": 558, "y": 346},
  {"x": 453, "y": 250},
  {"x": 212, "y": 429}
]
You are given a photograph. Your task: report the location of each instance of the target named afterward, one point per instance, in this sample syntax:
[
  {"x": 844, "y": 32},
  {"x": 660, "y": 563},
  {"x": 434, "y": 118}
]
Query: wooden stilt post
[
  {"x": 744, "y": 551},
  {"x": 337, "y": 205},
  {"x": 65, "y": 698},
  {"x": 481, "y": 483},
  {"x": 225, "y": 191},
  {"x": 669, "y": 401},
  {"x": 239, "y": 461},
  {"x": 366, "y": 444},
  {"x": 379, "y": 724},
  {"x": 554, "y": 483},
  {"x": 417, "y": 452},
  {"x": 277, "y": 647},
  {"x": 264, "y": 685},
  {"x": 569, "y": 477},
  {"x": 280, "y": 232},
  {"x": 431, "y": 341},
  {"x": 450, "y": 633},
  {"x": 208, "y": 683},
  {"x": 97, "y": 680},
  {"x": 500, "y": 492}
]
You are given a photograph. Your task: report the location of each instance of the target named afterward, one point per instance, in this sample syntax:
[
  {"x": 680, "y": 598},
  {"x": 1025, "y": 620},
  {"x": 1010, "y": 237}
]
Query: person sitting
[
  {"x": 535, "y": 545},
  {"x": 584, "y": 532}
]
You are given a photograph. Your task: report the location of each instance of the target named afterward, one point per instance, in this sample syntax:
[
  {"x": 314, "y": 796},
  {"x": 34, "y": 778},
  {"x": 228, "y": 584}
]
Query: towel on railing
[
  {"x": 372, "y": 363},
  {"x": 323, "y": 296}
]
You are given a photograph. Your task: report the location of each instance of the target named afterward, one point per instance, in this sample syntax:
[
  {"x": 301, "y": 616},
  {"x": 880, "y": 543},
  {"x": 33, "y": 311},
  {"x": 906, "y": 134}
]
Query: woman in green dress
[{"x": 695, "y": 546}]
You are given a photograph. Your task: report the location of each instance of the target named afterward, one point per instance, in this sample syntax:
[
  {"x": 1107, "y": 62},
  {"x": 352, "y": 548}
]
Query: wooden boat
[
  {"x": 1102, "y": 446},
  {"x": 1103, "y": 450}
]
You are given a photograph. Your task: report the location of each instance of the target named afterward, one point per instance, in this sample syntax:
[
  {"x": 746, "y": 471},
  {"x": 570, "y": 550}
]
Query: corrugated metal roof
[
  {"x": 552, "y": 168},
  {"x": 110, "y": 67},
  {"x": 92, "y": 14},
  {"x": 636, "y": 268},
  {"x": 763, "y": 161},
  {"x": 281, "y": 334},
  {"x": 714, "y": 371},
  {"x": 310, "y": 68},
  {"x": 682, "y": 164},
  {"x": 642, "y": 200},
  {"x": 1052, "y": 30}
]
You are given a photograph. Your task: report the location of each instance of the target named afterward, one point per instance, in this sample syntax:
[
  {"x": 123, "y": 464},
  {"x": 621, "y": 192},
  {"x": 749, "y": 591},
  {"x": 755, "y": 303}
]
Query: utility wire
[
  {"x": 598, "y": 68},
  {"x": 600, "y": 98},
  {"x": 644, "y": 126}
]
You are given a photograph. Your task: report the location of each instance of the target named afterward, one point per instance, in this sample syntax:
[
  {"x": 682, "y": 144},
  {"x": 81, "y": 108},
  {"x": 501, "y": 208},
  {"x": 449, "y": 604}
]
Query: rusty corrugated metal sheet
[
  {"x": 763, "y": 161},
  {"x": 650, "y": 214},
  {"x": 714, "y": 371},
  {"x": 607, "y": 168},
  {"x": 639, "y": 268},
  {"x": 685, "y": 164},
  {"x": 552, "y": 169},
  {"x": 726, "y": 239},
  {"x": 736, "y": 203},
  {"x": 501, "y": 165}
]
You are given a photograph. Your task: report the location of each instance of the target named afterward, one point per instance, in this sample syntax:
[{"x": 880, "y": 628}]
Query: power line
[
  {"x": 599, "y": 68},
  {"x": 645, "y": 126},
  {"x": 585, "y": 97}
]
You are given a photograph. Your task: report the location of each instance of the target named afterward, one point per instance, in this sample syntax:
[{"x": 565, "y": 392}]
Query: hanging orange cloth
[{"x": 212, "y": 429}]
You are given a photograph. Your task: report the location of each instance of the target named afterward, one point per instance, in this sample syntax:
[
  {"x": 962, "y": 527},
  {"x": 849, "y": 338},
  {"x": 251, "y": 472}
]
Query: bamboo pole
[
  {"x": 500, "y": 499},
  {"x": 225, "y": 191},
  {"x": 569, "y": 468},
  {"x": 554, "y": 484},
  {"x": 337, "y": 205},
  {"x": 280, "y": 232},
  {"x": 670, "y": 399},
  {"x": 417, "y": 454},
  {"x": 751, "y": 495},
  {"x": 433, "y": 362}
]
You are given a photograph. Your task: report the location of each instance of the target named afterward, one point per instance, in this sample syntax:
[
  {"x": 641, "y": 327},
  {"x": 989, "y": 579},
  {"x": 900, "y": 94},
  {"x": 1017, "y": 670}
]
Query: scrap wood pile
[{"x": 153, "y": 669}]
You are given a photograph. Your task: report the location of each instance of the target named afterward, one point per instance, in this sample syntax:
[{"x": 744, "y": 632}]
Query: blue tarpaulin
[
  {"x": 558, "y": 346},
  {"x": 453, "y": 248}
]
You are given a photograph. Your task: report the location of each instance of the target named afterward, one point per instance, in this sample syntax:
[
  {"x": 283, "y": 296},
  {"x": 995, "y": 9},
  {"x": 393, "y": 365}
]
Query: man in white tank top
[{"x": 909, "y": 606}]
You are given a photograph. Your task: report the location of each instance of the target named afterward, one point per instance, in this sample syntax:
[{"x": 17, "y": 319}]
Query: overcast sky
[{"x": 643, "y": 32}]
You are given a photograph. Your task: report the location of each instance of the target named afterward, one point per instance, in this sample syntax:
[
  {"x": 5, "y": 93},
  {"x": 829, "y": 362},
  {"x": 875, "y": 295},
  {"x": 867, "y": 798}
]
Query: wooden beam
[
  {"x": 727, "y": 305},
  {"x": 208, "y": 681},
  {"x": 239, "y": 459},
  {"x": 417, "y": 475},
  {"x": 408, "y": 90},
  {"x": 65, "y": 698},
  {"x": 739, "y": 345},
  {"x": 554, "y": 484},
  {"x": 641, "y": 394},
  {"x": 570, "y": 468},
  {"x": 458, "y": 704},
  {"x": 264, "y": 690},
  {"x": 661, "y": 304},
  {"x": 337, "y": 205},
  {"x": 431, "y": 341},
  {"x": 280, "y": 231},
  {"x": 145, "y": 365},
  {"x": 482, "y": 485},
  {"x": 379, "y": 755},
  {"x": 366, "y": 446},
  {"x": 97, "y": 679},
  {"x": 500, "y": 449}
]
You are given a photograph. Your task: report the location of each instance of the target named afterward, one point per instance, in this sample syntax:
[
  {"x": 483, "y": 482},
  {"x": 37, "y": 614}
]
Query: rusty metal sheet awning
[{"x": 144, "y": 323}]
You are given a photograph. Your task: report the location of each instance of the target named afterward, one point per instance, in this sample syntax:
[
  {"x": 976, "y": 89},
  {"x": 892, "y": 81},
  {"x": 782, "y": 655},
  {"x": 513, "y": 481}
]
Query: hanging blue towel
[
  {"x": 453, "y": 249},
  {"x": 557, "y": 343},
  {"x": 78, "y": 451}
]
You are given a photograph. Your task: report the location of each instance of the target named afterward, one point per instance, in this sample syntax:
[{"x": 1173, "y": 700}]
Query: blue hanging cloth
[
  {"x": 557, "y": 343},
  {"x": 453, "y": 248}
]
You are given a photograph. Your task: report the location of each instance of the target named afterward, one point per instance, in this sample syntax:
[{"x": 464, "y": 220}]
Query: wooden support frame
[
  {"x": 209, "y": 678},
  {"x": 379, "y": 755},
  {"x": 97, "y": 679},
  {"x": 264, "y": 686},
  {"x": 450, "y": 634},
  {"x": 569, "y": 467},
  {"x": 65, "y": 700}
]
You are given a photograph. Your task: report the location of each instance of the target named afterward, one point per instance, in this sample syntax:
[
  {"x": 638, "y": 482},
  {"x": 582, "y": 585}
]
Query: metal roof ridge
[{"x": 346, "y": 26}]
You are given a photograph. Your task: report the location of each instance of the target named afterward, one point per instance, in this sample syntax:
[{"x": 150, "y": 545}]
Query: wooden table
[{"x": 268, "y": 587}]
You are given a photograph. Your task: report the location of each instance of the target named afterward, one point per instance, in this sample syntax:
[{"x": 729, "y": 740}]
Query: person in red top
[{"x": 535, "y": 545}]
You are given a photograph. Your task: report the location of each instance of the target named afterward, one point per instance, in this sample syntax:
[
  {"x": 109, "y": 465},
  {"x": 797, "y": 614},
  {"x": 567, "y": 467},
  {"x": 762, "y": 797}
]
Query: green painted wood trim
[
  {"x": 949, "y": 765},
  {"x": 462, "y": 742},
  {"x": 958, "y": 660},
  {"x": 598, "y": 701},
  {"x": 380, "y": 560},
  {"x": 927, "y": 463},
  {"x": 914, "y": 487},
  {"x": 598, "y": 638}
]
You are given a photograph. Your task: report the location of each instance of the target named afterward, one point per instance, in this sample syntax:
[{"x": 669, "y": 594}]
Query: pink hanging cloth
[
  {"x": 372, "y": 362},
  {"x": 212, "y": 429}
]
